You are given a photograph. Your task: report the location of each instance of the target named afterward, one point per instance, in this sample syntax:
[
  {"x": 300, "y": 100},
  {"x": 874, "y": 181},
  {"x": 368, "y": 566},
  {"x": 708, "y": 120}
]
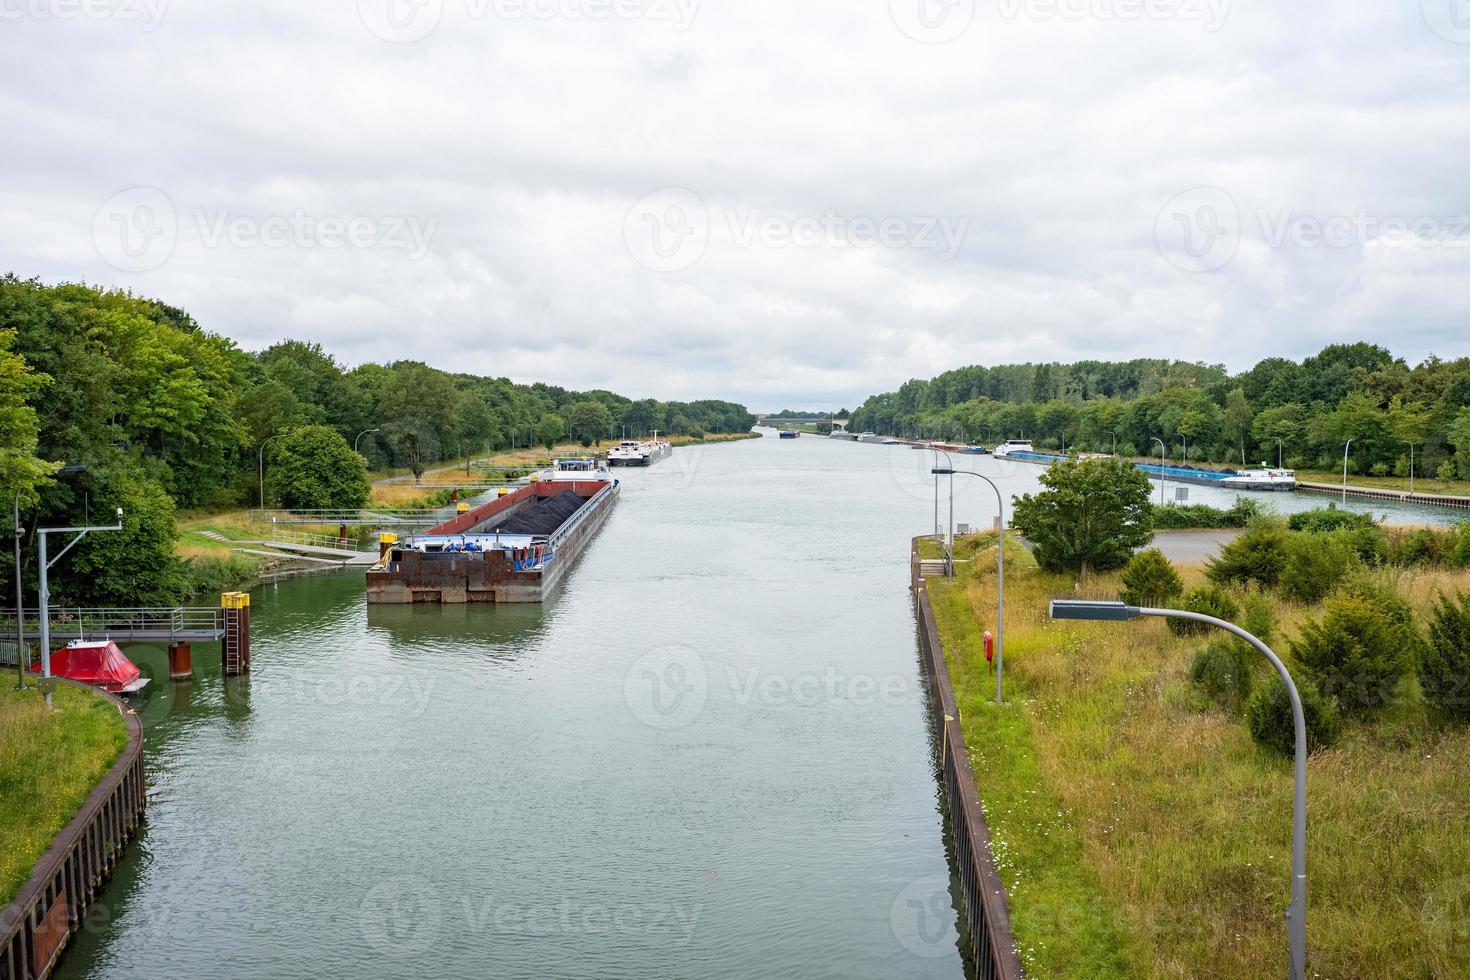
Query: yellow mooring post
[{"x": 235, "y": 645}]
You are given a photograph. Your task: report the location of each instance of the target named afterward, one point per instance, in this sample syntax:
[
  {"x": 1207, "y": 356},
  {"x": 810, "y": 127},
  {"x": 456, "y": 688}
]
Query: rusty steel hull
[{"x": 405, "y": 576}]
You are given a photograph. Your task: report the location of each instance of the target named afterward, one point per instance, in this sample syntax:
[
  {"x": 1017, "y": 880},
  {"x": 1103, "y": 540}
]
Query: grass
[
  {"x": 1422, "y": 484},
  {"x": 1143, "y": 834},
  {"x": 50, "y": 761}
]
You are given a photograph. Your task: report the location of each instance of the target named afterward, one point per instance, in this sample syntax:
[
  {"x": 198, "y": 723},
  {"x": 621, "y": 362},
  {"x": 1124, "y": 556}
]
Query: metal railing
[
  {"x": 140, "y": 621},
  {"x": 598, "y": 501},
  {"x": 313, "y": 540},
  {"x": 376, "y": 516}
]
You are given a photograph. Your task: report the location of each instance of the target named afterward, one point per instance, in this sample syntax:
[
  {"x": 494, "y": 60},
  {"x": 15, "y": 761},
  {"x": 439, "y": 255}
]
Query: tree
[
  {"x": 314, "y": 468},
  {"x": 1238, "y": 417},
  {"x": 589, "y": 421},
  {"x": 21, "y": 472},
  {"x": 1093, "y": 514},
  {"x": 550, "y": 430},
  {"x": 1458, "y": 435},
  {"x": 136, "y": 566}
]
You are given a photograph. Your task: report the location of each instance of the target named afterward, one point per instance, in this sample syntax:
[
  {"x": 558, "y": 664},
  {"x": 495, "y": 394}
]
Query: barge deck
[{"x": 515, "y": 548}]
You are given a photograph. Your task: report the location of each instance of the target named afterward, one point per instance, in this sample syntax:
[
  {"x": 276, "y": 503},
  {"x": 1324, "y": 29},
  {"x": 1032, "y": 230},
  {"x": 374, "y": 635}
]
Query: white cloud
[{"x": 1054, "y": 133}]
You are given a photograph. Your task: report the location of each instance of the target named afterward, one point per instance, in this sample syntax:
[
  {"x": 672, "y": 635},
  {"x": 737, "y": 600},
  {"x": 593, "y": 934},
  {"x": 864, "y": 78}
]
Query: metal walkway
[{"x": 195, "y": 624}]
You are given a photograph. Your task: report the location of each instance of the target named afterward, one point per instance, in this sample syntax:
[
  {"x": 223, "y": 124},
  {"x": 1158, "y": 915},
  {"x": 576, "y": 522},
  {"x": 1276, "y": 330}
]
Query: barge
[
  {"x": 632, "y": 453},
  {"x": 515, "y": 548},
  {"x": 1258, "y": 479}
]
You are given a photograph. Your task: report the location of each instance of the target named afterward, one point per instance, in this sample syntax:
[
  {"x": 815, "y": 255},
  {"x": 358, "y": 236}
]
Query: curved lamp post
[
  {"x": 43, "y": 594},
  {"x": 1000, "y": 568},
  {"x": 1296, "y": 913},
  {"x": 1344, "y": 468},
  {"x": 364, "y": 432},
  {"x": 1163, "y": 479},
  {"x": 1278, "y": 453}
]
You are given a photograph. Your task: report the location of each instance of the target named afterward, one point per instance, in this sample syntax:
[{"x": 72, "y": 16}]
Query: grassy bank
[
  {"x": 1422, "y": 484},
  {"x": 1142, "y": 833},
  {"x": 50, "y": 761}
]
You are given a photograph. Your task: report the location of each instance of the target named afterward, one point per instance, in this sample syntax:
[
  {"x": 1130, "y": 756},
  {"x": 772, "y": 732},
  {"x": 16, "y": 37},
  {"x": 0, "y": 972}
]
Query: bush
[
  {"x": 211, "y": 575},
  {"x": 1444, "y": 668},
  {"x": 1462, "y": 547},
  {"x": 1211, "y": 600},
  {"x": 1424, "y": 547},
  {"x": 1150, "y": 580},
  {"x": 1182, "y": 517},
  {"x": 1268, "y": 714},
  {"x": 1356, "y": 653},
  {"x": 1316, "y": 564},
  {"x": 1258, "y": 555},
  {"x": 1222, "y": 671},
  {"x": 1257, "y": 619},
  {"x": 1329, "y": 519}
]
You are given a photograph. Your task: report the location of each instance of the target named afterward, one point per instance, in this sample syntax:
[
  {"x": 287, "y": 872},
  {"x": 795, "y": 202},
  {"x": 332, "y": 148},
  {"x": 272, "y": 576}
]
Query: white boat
[
  {"x": 632, "y": 453},
  {"x": 1012, "y": 446},
  {"x": 1263, "y": 479},
  {"x": 624, "y": 453},
  {"x": 842, "y": 434},
  {"x": 872, "y": 437}
]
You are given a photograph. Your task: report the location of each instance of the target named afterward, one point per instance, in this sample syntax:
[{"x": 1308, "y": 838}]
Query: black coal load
[{"x": 541, "y": 518}]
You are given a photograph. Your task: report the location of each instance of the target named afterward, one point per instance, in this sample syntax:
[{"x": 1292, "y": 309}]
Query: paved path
[{"x": 1193, "y": 547}]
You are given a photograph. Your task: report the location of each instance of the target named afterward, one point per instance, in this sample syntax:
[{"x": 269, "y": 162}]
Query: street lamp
[
  {"x": 1344, "y": 469},
  {"x": 1296, "y": 913},
  {"x": 267, "y": 442},
  {"x": 1411, "y": 467},
  {"x": 1000, "y": 568},
  {"x": 1278, "y": 452},
  {"x": 20, "y": 608},
  {"x": 45, "y": 591},
  {"x": 365, "y": 432},
  {"x": 1162, "y": 478}
]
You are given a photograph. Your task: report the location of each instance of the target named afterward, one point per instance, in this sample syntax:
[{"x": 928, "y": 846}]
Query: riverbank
[
  {"x": 50, "y": 760},
  {"x": 1142, "y": 833}
]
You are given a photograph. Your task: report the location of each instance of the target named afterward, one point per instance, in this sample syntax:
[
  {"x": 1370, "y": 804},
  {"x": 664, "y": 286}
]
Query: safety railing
[
  {"x": 71, "y": 622},
  {"x": 313, "y": 540},
  {"x": 601, "y": 499}
]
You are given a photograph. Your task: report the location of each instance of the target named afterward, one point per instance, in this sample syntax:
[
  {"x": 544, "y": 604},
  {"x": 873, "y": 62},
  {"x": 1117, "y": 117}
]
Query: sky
[{"x": 788, "y": 204}]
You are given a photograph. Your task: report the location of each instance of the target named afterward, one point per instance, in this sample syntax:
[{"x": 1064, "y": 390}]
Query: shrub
[
  {"x": 1370, "y": 543},
  {"x": 1257, "y": 556},
  {"x": 1256, "y": 618},
  {"x": 1328, "y": 519},
  {"x": 1444, "y": 668},
  {"x": 1462, "y": 547},
  {"x": 1357, "y": 652},
  {"x": 1210, "y": 600},
  {"x": 1269, "y": 717},
  {"x": 1316, "y": 564},
  {"x": 1423, "y": 547},
  {"x": 1150, "y": 580},
  {"x": 1222, "y": 671},
  {"x": 1180, "y": 517},
  {"x": 211, "y": 575},
  {"x": 1448, "y": 471}
]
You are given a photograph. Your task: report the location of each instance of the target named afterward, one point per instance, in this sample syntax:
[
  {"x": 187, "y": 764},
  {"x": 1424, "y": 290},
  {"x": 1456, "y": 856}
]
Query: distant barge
[
  {"x": 513, "y": 549},
  {"x": 1261, "y": 479}
]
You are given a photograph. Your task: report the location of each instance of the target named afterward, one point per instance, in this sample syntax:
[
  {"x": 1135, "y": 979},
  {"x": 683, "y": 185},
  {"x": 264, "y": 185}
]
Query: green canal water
[{"x": 707, "y": 757}]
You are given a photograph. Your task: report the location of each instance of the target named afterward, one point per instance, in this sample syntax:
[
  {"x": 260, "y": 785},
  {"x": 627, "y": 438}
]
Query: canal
[{"x": 708, "y": 756}]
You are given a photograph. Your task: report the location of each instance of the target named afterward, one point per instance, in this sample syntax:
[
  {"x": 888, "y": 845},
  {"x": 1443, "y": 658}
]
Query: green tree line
[
  {"x": 151, "y": 412},
  {"x": 1301, "y": 413}
]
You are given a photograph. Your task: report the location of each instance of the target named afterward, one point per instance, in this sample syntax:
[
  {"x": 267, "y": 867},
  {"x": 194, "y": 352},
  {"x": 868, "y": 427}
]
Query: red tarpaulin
[{"x": 100, "y": 663}]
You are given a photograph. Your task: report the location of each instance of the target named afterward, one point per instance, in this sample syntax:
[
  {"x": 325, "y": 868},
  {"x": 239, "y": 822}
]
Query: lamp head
[
  {"x": 119, "y": 513},
  {"x": 1095, "y": 610}
]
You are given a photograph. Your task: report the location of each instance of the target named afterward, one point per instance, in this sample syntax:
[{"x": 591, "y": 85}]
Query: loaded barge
[
  {"x": 1263, "y": 479},
  {"x": 513, "y": 549}
]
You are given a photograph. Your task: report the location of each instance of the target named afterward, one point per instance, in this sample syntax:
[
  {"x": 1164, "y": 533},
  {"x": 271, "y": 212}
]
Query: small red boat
[{"x": 100, "y": 663}]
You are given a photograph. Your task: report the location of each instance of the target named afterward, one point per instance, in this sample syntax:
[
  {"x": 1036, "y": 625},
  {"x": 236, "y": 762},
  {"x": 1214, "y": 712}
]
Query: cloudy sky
[{"x": 790, "y": 204}]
